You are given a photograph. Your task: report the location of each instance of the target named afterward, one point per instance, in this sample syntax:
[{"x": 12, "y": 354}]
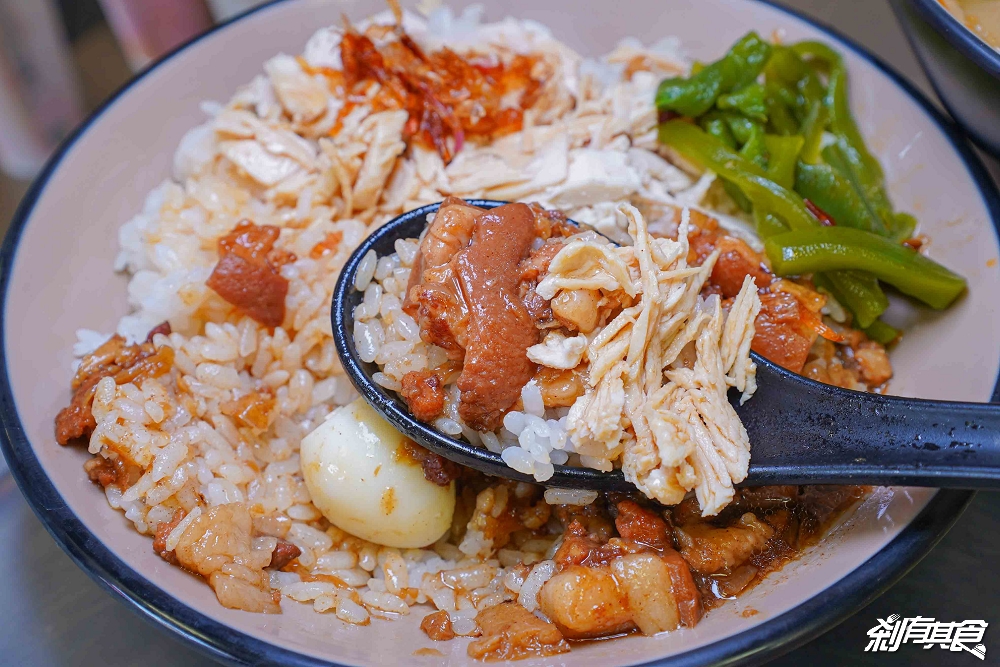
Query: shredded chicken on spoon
[{"x": 659, "y": 371}]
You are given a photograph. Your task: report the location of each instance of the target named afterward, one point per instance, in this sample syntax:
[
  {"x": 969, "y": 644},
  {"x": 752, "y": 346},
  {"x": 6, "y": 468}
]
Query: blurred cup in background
[
  {"x": 39, "y": 97},
  {"x": 147, "y": 29}
]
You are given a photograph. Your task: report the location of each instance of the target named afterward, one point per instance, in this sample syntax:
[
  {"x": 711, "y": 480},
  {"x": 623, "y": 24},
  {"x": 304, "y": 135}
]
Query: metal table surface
[{"x": 57, "y": 616}]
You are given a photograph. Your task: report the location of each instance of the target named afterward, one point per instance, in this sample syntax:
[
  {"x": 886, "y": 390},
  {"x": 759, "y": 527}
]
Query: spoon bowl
[
  {"x": 801, "y": 431},
  {"x": 389, "y": 404}
]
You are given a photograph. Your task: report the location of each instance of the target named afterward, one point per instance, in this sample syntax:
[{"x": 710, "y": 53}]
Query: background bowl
[
  {"x": 56, "y": 276},
  {"x": 964, "y": 70}
]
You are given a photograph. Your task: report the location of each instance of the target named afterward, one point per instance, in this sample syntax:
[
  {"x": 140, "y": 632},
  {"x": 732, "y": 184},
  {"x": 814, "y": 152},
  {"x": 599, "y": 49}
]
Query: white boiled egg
[{"x": 362, "y": 481}]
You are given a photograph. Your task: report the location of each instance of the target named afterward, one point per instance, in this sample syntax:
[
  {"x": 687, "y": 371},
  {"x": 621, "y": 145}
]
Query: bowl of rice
[{"x": 179, "y": 475}]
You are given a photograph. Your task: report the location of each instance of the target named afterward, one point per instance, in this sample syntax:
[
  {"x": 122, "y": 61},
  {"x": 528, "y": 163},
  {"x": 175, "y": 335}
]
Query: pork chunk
[
  {"x": 500, "y": 329},
  {"x": 710, "y": 550},
  {"x": 511, "y": 632}
]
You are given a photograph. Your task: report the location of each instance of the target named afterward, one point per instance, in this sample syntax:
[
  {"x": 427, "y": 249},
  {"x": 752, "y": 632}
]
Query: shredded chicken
[
  {"x": 645, "y": 399},
  {"x": 384, "y": 133}
]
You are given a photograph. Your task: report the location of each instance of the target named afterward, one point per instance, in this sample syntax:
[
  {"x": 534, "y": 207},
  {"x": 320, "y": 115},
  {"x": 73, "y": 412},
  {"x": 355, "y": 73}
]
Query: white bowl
[{"x": 56, "y": 273}]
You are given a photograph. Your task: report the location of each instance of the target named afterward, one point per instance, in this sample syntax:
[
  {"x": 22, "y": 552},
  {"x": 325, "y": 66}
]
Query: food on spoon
[
  {"x": 361, "y": 475},
  {"x": 492, "y": 375},
  {"x": 654, "y": 366},
  {"x": 197, "y": 415}
]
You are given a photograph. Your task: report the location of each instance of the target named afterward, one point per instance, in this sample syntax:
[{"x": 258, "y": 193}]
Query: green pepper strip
[
  {"x": 710, "y": 153},
  {"x": 828, "y": 189},
  {"x": 877, "y": 205},
  {"x": 780, "y": 119},
  {"x": 841, "y": 120},
  {"x": 857, "y": 291},
  {"x": 767, "y": 224},
  {"x": 732, "y": 130},
  {"x": 716, "y": 125},
  {"x": 768, "y": 198},
  {"x": 754, "y": 150},
  {"x": 821, "y": 249},
  {"x": 696, "y": 94},
  {"x": 782, "y": 154},
  {"x": 818, "y": 51},
  {"x": 783, "y": 92},
  {"x": 742, "y": 127},
  {"x": 881, "y": 332},
  {"x": 812, "y": 132},
  {"x": 785, "y": 67},
  {"x": 850, "y": 154},
  {"x": 748, "y": 100},
  {"x": 904, "y": 227}
]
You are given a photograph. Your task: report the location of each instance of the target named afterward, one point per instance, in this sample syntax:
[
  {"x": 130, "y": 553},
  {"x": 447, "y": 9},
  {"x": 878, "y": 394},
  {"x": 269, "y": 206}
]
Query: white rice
[{"x": 193, "y": 453}]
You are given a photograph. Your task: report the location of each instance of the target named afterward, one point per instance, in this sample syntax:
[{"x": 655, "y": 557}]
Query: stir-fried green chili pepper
[
  {"x": 742, "y": 128},
  {"x": 697, "y": 94},
  {"x": 753, "y": 148},
  {"x": 709, "y": 153},
  {"x": 857, "y": 291},
  {"x": 780, "y": 120},
  {"x": 786, "y": 68},
  {"x": 784, "y": 93},
  {"x": 849, "y": 153},
  {"x": 715, "y": 124},
  {"x": 767, "y": 224},
  {"x": 904, "y": 225},
  {"x": 819, "y": 249},
  {"x": 812, "y": 132},
  {"x": 847, "y": 161},
  {"x": 819, "y": 52},
  {"x": 830, "y": 190},
  {"x": 881, "y": 332},
  {"x": 735, "y": 131},
  {"x": 789, "y": 135},
  {"x": 782, "y": 154},
  {"x": 748, "y": 100}
]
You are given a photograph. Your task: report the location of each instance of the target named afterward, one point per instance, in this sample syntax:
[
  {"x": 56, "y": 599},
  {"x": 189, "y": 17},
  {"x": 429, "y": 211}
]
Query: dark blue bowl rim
[
  {"x": 767, "y": 640},
  {"x": 959, "y": 36}
]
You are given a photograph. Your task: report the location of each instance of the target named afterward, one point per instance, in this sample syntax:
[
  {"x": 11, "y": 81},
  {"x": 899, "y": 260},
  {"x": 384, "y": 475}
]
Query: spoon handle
[{"x": 804, "y": 432}]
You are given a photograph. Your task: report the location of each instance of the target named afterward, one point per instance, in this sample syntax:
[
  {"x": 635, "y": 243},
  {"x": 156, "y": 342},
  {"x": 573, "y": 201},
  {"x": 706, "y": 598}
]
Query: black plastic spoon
[{"x": 801, "y": 431}]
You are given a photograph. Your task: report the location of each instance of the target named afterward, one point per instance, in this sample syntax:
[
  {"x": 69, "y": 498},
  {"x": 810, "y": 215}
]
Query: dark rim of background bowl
[
  {"x": 766, "y": 640},
  {"x": 959, "y": 36}
]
